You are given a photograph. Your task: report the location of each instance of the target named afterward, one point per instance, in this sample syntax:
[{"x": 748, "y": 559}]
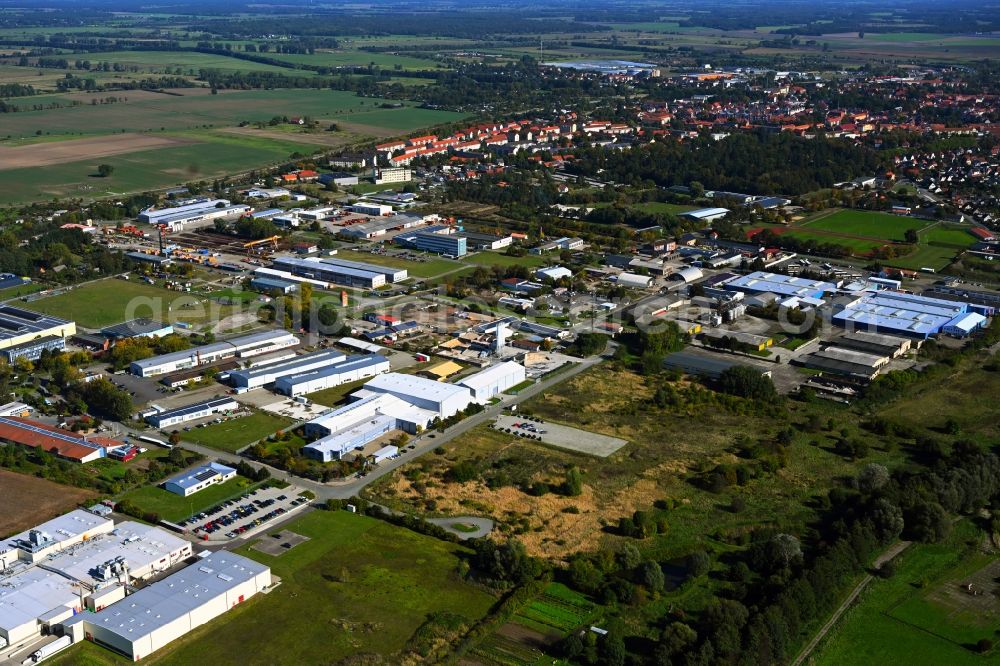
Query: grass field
[
  {"x": 895, "y": 622},
  {"x": 106, "y": 302},
  {"x": 433, "y": 267},
  {"x": 173, "y": 507},
  {"x": 357, "y": 587},
  {"x": 490, "y": 258},
  {"x": 867, "y": 224},
  {"x": 332, "y": 396},
  {"x": 234, "y": 434},
  {"x": 856, "y": 245}
]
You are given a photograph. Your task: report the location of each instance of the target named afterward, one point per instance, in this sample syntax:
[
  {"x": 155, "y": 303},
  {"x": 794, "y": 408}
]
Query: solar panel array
[{"x": 49, "y": 433}]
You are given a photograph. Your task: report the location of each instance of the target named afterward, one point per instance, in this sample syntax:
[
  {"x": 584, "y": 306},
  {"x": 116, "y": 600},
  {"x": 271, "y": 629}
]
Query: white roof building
[
  {"x": 494, "y": 380},
  {"x": 199, "y": 478},
  {"x": 633, "y": 280},
  {"x": 155, "y": 616},
  {"x": 444, "y": 399},
  {"x": 347, "y": 428},
  {"x": 554, "y": 273}
]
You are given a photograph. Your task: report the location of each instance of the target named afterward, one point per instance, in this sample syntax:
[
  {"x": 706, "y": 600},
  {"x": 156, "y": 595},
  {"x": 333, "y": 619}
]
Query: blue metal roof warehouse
[
  {"x": 896, "y": 312},
  {"x": 760, "y": 282}
]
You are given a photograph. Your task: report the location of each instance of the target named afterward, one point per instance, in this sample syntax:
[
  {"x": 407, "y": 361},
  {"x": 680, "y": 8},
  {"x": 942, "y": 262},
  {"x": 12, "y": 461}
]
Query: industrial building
[
  {"x": 263, "y": 375},
  {"x": 343, "y": 430},
  {"x": 353, "y": 369},
  {"x": 700, "y": 364},
  {"x": 706, "y": 214},
  {"x": 965, "y": 325},
  {"x": 199, "y": 478},
  {"x": 848, "y": 362},
  {"x": 270, "y": 284},
  {"x": 369, "y": 208},
  {"x": 633, "y": 280},
  {"x": 475, "y": 240},
  {"x": 138, "y": 328},
  {"x": 15, "y": 409},
  {"x": 429, "y": 241},
  {"x": 145, "y": 550},
  {"x": 63, "y": 443},
  {"x": 494, "y": 380},
  {"x": 758, "y": 342},
  {"x": 197, "y": 213},
  {"x": 198, "y": 410},
  {"x": 154, "y": 616},
  {"x": 900, "y": 314},
  {"x": 781, "y": 285},
  {"x": 443, "y": 399},
  {"x": 339, "y": 271},
  {"x": 50, "y": 573},
  {"x": 244, "y": 346},
  {"x": 554, "y": 273},
  {"x": 875, "y": 343},
  {"x": 25, "y": 334},
  {"x": 380, "y": 226}
]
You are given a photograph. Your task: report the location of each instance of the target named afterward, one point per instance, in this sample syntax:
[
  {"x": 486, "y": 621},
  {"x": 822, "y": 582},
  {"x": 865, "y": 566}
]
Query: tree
[
  {"x": 911, "y": 236},
  {"x": 651, "y": 575},
  {"x": 747, "y": 382},
  {"x": 105, "y": 170},
  {"x": 573, "y": 485},
  {"x": 927, "y": 522},
  {"x": 872, "y": 477},
  {"x": 676, "y": 637}
]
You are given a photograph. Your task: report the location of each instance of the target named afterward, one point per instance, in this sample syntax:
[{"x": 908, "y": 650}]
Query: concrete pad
[
  {"x": 565, "y": 437},
  {"x": 279, "y": 542}
]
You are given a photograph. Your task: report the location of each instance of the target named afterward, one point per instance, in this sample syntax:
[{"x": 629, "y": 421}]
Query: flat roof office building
[{"x": 452, "y": 245}]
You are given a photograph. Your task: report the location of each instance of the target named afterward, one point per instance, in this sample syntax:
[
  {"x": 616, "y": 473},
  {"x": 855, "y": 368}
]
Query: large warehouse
[
  {"x": 198, "y": 213},
  {"x": 201, "y": 477},
  {"x": 64, "y": 443},
  {"x": 352, "y": 369},
  {"x": 443, "y": 399},
  {"x": 153, "y": 617},
  {"x": 25, "y": 334},
  {"x": 494, "y": 380},
  {"x": 344, "y": 429},
  {"x": 198, "y": 410},
  {"x": 760, "y": 282},
  {"x": 848, "y": 362},
  {"x": 52, "y": 571},
  {"x": 339, "y": 271},
  {"x": 899, "y": 313},
  {"x": 241, "y": 347},
  {"x": 263, "y": 375}
]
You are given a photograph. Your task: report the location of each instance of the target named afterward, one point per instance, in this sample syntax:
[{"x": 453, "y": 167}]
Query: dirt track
[{"x": 58, "y": 152}]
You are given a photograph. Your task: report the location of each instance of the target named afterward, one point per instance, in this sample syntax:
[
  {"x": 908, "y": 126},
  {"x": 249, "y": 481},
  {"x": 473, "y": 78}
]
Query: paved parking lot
[
  {"x": 237, "y": 517},
  {"x": 562, "y": 436}
]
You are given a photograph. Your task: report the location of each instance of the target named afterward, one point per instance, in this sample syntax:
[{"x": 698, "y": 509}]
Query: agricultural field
[
  {"x": 538, "y": 624},
  {"x": 922, "y": 614},
  {"x": 173, "y": 507},
  {"x": 356, "y": 59},
  {"x": 179, "y": 62},
  {"x": 29, "y": 500},
  {"x": 234, "y": 434}
]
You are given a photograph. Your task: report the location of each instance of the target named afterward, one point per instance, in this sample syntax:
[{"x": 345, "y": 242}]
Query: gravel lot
[{"x": 566, "y": 437}]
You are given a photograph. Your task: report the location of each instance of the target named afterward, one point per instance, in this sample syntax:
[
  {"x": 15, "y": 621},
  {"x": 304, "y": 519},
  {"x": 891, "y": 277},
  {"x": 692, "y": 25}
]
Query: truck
[{"x": 47, "y": 651}]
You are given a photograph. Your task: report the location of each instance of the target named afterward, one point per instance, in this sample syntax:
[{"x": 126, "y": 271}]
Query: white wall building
[
  {"x": 244, "y": 346},
  {"x": 494, "y": 380},
  {"x": 443, "y": 399},
  {"x": 342, "y": 430},
  {"x": 198, "y": 410},
  {"x": 159, "y": 614},
  {"x": 352, "y": 369},
  {"x": 257, "y": 377},
  {"x": 199, "y": 478}
]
